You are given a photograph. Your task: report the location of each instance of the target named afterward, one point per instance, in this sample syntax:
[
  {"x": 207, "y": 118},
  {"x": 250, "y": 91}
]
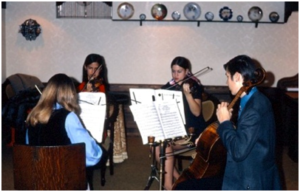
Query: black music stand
[
  {"x": 154, "y": 172},
  {"x": 162, "y": 157}
]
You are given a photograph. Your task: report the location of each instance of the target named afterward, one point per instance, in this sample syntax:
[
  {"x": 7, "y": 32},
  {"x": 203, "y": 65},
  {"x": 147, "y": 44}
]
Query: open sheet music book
[
  {"x": 160, "y": 118},
  {"x": 93, "y": 112},
  {"x": 143, "y": 96}
]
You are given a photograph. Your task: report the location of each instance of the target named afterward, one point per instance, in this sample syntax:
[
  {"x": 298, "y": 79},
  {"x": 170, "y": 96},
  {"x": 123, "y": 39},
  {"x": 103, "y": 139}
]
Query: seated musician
[
  {"x": 55, "y": 119},
  {"x": 94, "y": 74},
  {"x": 251, "y": 144},
  {"x": 181, "y": 69}
]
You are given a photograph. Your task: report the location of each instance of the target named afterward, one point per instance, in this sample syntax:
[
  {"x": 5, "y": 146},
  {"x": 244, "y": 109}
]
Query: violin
[
  {"x": 96, "y": 83},
  {"x": 192, "y": 83}
]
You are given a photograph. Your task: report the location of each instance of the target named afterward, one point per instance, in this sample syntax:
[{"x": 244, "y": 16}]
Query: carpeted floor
[{"x": 133, "y": 173}]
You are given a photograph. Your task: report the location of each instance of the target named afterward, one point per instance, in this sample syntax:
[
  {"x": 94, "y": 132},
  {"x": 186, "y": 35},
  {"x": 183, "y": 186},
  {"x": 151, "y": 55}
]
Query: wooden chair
[
  {"x": 208, "y": 109},
  {"x": 49, "y": 167}
]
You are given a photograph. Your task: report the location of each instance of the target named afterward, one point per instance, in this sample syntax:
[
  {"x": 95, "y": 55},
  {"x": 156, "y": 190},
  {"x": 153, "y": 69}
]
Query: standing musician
[
  {"x": 251, "y": 145},
  {"x": 192, "y": 92},
  {"x": 94, "y": 74}
]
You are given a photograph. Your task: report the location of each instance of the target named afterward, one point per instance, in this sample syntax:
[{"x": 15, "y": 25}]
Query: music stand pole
[
  {"x": 162, "y": 157},
  {"x": 153, "y": 173}
]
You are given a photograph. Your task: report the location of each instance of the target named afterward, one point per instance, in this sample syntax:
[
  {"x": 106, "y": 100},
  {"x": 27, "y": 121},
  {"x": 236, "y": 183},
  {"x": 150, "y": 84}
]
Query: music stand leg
[
  {"x": 153, "y": 172},
  {"x": 162, "y": 157}
]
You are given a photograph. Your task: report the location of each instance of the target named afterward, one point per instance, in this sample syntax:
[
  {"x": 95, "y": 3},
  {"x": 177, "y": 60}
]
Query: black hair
[
  {"x": 242, "y": 64},
  {"x": 182, "y": 62},
  {"x": 91, "y": 58}
]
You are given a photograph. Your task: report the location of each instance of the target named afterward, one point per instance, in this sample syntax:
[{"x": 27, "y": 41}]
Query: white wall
[
  {"x": 142, "y": 54},
  {"x": 3, "y": 53}
]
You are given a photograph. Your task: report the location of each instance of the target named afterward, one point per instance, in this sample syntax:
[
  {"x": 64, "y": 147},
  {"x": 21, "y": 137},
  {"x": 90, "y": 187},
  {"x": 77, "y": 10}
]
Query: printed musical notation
[
  {"x": 93, "y": 112},
  {"x": 143, "y": 96},
  {"x": 159, "y": 118}
]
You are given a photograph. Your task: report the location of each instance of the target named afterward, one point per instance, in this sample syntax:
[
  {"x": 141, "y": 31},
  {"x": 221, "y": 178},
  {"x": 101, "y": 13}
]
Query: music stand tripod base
[{"x": 154, "y": 172}]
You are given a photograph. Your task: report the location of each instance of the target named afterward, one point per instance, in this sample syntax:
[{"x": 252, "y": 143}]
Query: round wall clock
[
  {"x": 159, "y": 11},
  {"x": 192, "y": 11},
  {"x": 225, "y": 13},
  {"x": 125, "y": 10},
  {"x": 255, "y": 14},
  {"x": 176, "y": 15},
  {"x": 274, "y": 17}
]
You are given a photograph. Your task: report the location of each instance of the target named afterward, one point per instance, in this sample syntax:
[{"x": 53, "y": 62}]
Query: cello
[{"x": 210, "y": 159}]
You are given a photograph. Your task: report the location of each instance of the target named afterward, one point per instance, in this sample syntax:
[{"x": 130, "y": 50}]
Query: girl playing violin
[
  {"x": 94, "y": 74},
  {"x": 182, "y": 79}
]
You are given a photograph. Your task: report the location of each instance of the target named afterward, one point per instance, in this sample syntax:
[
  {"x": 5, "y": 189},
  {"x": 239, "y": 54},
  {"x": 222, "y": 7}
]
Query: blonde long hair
[{"x": 60, "y": 89}]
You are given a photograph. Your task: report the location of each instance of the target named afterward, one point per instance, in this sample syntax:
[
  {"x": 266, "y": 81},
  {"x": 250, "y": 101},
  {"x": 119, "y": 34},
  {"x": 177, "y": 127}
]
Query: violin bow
[{"x": 201, "y": 71}]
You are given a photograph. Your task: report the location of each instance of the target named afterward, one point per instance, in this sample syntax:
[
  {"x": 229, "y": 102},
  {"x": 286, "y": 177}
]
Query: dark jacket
[{"x": 251, "y": 148}]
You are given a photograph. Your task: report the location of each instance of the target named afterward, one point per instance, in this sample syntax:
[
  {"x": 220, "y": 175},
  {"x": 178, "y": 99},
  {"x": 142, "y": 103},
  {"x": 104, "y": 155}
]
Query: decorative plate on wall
[
  {"x": 239, "y": 18},
  {"x": 274, "y": 17},
  {"x": 255, "y": 14},
  {"x": 209, "y": 16},
  {"x": 159, "y": 11},
  {"x": 142, "y": 16},
  {"x": 125, "y": 11},
  {"x": 192, "y": 11},
  {"x": 225, "y": 13},
  {"x": 176, "y": 15}
]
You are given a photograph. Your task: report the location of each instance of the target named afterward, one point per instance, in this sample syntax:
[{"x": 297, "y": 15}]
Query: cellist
[{"x": 251, "y": 144}]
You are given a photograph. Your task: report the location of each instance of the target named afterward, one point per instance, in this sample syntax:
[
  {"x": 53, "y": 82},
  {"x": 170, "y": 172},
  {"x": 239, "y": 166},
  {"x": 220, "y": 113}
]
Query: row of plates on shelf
[{"x": 192, "y": 11}]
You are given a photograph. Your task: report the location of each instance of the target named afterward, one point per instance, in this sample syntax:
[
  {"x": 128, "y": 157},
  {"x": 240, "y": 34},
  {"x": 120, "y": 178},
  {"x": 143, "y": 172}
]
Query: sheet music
[
  {"x": 167, "y": 95},
  {"x": 93, "y": 98},
  {"x": 159, "y": 119},
  {"x": 93, "y": 112},
  {"x": 147, "y": 120},
  {"x": 170, "y": 119},
  {"x": 143, "y": 96}
]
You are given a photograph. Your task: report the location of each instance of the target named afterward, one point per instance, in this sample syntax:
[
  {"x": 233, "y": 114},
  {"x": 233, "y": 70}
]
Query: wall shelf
[
  {"x": 276, "y": 10},
  {"x": 199, "y": 21}
]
